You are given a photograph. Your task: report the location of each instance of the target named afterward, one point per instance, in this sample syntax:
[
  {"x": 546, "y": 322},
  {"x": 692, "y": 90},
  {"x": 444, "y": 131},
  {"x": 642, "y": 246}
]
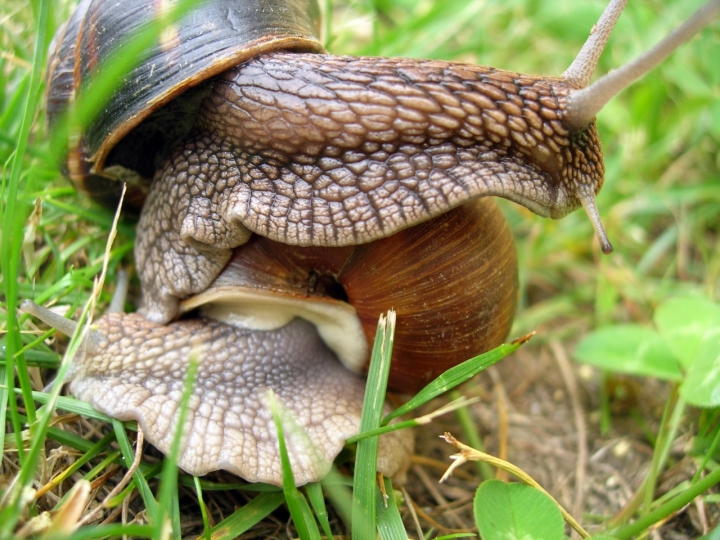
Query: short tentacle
[
  {"x": 94, "y": 340},
  {"x": 122, "y": 282}
]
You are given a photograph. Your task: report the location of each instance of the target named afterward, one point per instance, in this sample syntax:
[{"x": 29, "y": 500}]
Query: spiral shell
[{"x": 452, "y": 281}]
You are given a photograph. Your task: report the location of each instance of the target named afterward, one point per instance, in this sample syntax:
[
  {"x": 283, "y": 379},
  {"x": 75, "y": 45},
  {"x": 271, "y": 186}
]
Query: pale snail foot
[{"x": 138, "y": 373}]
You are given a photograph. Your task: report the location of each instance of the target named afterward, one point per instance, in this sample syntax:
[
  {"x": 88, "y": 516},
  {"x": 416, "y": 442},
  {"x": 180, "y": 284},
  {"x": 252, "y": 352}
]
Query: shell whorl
[{"x": 157, "y": 100}]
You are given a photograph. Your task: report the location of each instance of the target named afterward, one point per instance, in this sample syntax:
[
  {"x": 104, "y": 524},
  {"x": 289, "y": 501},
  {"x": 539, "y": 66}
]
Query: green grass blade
[
  {"x": 99, "y": 216},
  {"x": 90, "y": 453},
  {"x": 167, "y": 498},
  {"x": 10, "y": 246},
  {"x": 207, "y": 485},
  {"x": 629, "y": 531},
  {"x": 138, "y": 477},
  {"x": 175, "y": 514},
  {"x": 203, "y": 509},
  {"x": 419, "y": 421},
  {"x": 364, "y": 484},
  {"x": 247, "y": 516},
  {"x": 72, "y": 405},
  {"x": 63, "y": 437},
  {"x": 13, "y": 110},
  {"x": 337, "y": 489},
  {"x": 71, "y": 440},
  {"x": 317, "y": 501},
  {"x": 297, "y": 504},
  {"x": 113, "y": 531},
  {"x": 390, "y": 524},
  {"x": 455, "y": 376}
]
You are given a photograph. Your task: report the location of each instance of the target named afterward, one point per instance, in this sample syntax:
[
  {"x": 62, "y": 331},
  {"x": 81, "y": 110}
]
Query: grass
[{"x": 660, "y": 205}]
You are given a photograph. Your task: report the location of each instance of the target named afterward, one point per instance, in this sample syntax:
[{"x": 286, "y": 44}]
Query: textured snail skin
[
  {"x": 320, "y": 150},
  {"x": 138, "y": 373}
]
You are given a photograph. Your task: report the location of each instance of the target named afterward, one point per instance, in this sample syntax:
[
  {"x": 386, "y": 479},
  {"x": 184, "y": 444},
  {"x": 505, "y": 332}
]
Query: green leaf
[
  {"x": 683, "y": 322},
  {"x": 702, "y": 382},
  {"x": 516, "y": 511},
  {"x": 630, "y": 349}
]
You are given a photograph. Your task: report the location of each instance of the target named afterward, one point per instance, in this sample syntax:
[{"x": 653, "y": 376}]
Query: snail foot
[{"x": 139, "y": 374}]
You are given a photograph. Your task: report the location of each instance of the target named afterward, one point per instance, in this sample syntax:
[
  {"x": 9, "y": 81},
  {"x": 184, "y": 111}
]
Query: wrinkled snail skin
[
  {"x": 318, "y": 150},
  {"x": 138, "y": 371}
]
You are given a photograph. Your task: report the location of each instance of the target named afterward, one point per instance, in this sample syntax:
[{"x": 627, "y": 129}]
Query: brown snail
[{"x": 308, "y": 149}]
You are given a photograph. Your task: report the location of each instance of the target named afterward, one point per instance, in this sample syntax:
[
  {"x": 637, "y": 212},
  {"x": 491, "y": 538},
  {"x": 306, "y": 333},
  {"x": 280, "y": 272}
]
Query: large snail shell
[
  {"x": 452, "y": 281},
  {"x": 213, "y": 36}
]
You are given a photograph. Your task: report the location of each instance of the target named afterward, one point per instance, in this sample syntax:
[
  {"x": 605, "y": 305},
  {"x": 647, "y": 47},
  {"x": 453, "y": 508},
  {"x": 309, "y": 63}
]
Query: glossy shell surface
[
  {"x": 211, "y": 37},
  {"x": 452, "y": 281}
]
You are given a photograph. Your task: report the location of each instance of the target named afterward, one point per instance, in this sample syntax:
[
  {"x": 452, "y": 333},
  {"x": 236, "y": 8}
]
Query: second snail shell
[{"x": 452, "y": 281}]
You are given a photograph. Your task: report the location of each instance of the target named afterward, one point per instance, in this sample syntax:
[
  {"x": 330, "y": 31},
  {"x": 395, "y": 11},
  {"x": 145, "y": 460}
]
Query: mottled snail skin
[
  {"x": 137, "y": 369},
  {"x": 331, "y": 151}
]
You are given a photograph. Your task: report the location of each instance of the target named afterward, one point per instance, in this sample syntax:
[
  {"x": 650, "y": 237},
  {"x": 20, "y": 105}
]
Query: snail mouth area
[{"x": 337, "y": 322}]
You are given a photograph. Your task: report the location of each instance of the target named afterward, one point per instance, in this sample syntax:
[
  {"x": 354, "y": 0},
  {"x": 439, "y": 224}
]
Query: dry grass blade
[
  {"x": 67, "y": 518},
  {"x": 94, "y": 514},
  {"x": 470, "y": 454}
]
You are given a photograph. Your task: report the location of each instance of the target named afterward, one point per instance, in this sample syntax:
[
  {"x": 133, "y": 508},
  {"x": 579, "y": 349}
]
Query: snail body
[
  {"x": 136, "y": 370},
  {"x": 236, "y": 125}
]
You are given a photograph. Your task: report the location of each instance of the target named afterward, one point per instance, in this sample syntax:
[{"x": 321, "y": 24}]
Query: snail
[{"x": 247, "y": 130}]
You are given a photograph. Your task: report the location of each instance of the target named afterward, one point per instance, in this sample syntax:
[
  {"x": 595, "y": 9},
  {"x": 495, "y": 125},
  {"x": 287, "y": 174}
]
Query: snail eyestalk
[
  {"x": 582, "y": 68},
  {"x": 583, "y": 105},
  {"x": 93, "y": 340},
  {"x": 117, "y": 304}
]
